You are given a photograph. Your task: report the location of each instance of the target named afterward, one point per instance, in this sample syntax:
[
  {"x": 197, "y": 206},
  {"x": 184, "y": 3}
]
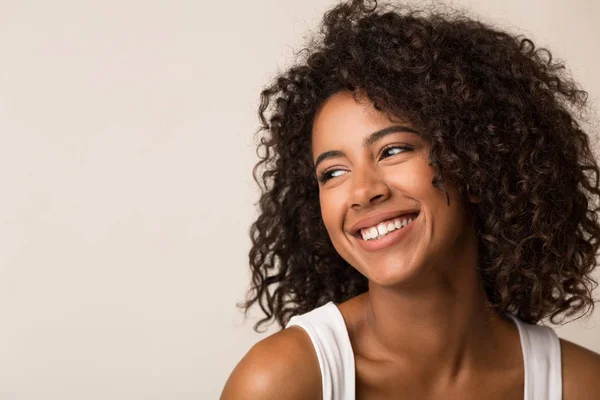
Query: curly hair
[{"x": 499, "y": 115}]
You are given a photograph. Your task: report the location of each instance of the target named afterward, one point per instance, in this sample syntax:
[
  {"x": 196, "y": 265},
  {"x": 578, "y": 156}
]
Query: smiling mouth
[{"x": 384, "y": 228}]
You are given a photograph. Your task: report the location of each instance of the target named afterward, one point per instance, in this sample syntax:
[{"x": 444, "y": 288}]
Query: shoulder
[
  {"x": 281, "y": 366},
  {"x": 580, "y": 371}
]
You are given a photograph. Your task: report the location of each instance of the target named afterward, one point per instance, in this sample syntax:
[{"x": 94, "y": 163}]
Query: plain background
[{"x": 125, "y": 164}]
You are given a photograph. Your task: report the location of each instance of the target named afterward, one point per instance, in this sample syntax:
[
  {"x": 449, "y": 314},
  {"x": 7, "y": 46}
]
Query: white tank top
[{"x": 327, "y": 331}]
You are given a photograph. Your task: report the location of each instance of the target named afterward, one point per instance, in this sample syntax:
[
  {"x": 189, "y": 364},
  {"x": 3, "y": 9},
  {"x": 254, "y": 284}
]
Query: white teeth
[
  {"x": 383, "y": 229},
  {"x": 374, "y": 232},
  {"x": 365, "y": 235}
]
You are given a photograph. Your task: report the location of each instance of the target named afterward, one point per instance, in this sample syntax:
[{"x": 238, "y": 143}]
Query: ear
[{"x": 472, "y": 197}]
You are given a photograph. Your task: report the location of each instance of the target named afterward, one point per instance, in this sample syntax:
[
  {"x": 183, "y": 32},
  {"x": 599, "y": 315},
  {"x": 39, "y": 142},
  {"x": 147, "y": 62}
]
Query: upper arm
[
  {"x": 580, "y": 371},
  {"x": 282, "y": 366}
]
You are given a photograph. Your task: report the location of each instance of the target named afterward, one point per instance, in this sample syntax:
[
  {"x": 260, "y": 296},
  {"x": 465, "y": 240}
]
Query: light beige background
[{"x": 125, "y": 164}]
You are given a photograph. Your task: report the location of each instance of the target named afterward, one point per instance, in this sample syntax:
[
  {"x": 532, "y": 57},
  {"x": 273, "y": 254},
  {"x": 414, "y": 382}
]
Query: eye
[
  {"x": 330, "y": 174},
  {"x": 392, "y": 150}
]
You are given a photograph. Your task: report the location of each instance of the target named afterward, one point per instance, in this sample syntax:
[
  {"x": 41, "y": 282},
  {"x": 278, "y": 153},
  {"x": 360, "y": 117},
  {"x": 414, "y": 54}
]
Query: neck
[{"x": 439, "y": 327}]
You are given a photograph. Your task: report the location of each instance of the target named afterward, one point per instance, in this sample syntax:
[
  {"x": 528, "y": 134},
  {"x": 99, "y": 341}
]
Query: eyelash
[{"x": 325, "y": 175}]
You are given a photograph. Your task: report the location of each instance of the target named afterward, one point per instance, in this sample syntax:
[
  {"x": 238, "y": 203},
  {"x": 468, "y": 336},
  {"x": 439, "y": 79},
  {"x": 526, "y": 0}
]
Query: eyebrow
[{"x": 369, "y": 140}]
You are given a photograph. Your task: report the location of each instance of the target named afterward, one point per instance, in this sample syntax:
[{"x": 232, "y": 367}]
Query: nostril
[{"x": 375, "y": 198}]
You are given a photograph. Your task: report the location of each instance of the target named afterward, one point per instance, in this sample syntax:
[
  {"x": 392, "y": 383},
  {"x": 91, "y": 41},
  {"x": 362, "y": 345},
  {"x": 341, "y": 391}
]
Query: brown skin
[{"x": 425, "y": 329}]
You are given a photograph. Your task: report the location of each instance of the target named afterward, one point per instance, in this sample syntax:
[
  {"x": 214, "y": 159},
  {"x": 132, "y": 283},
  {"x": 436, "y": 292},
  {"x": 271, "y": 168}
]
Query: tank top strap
[
  {"x": 542, "y": 360},
  {"x": 328, "y": 333}
]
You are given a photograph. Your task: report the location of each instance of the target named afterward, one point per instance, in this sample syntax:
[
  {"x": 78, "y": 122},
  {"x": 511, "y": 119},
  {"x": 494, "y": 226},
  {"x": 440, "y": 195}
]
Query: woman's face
[{"x": 374, "y": 174}]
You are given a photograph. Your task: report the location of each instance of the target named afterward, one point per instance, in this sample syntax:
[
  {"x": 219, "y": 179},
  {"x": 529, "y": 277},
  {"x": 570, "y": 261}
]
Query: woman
[{"x": 428, "y": 198}]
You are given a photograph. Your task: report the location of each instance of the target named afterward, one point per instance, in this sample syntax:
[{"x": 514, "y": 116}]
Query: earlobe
[{"x": 473, "y": 199}]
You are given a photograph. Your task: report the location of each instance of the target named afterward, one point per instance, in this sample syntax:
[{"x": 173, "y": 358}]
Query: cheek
[
  {"x": 413, "y": 178},
  {"x": 331, "y": 212}
]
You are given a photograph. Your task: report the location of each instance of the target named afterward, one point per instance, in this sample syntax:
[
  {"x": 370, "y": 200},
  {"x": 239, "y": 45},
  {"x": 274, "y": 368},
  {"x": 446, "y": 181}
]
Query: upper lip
[{"x": 373, "y": 220}]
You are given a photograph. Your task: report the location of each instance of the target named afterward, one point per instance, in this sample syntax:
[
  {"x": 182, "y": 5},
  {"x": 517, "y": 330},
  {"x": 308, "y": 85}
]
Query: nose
[{"x": 368, "y": 188}]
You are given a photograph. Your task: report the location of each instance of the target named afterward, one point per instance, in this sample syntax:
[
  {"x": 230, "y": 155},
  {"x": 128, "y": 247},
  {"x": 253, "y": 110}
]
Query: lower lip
[{"x": 388, "y": 240}]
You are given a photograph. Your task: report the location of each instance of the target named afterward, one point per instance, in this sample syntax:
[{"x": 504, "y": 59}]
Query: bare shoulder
[
  {"x": 580, "y": 370},
  {"x": 281, "y": 366}
]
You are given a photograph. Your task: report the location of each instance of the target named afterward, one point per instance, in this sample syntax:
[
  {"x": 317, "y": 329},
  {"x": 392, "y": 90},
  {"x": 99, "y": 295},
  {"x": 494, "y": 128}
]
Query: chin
[{"x": 390, "y": 274}]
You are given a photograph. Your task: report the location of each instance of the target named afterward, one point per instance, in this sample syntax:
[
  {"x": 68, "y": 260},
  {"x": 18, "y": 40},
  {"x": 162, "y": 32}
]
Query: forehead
[{"x": 342, "y": 110}]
